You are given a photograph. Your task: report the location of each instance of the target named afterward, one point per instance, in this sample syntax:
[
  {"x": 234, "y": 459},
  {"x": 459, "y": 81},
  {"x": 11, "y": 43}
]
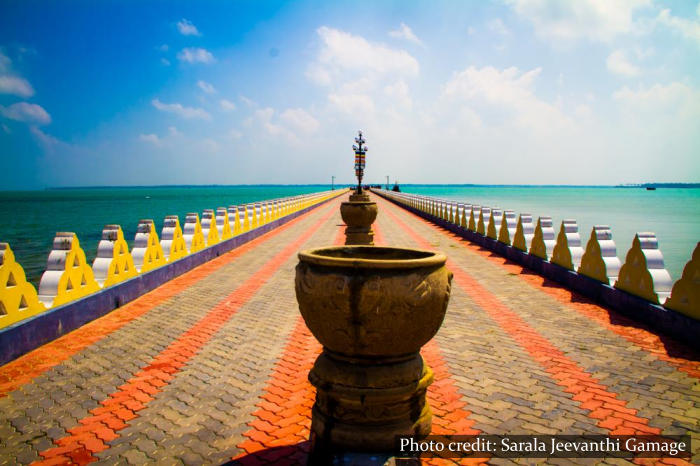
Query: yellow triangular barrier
[
  {"x": 222, "y": 224},
  {"x": 113, "y": 263},
  {"x": 643, "y": 273},
  {"x": 234, "y": 220},
  {"x": 474, "y": 217},
  {"x": 18, "y": 297},
  {"x": 524, "y": 232},
  {"x": 600, "y": 260},
  {"x": 147, "y": 252},
  {"x": 465, "y": 213},
  {"x": 211, "y": 234},
  {"x": 543, "y": 241},
  {"x": 171, "y": 239},
  {"x": 483, "y": 220},
  {"x": 568, "y": 251},
  {"x": 685, "y": 296},
  {"x": 192, "y": 233},
  {"x": 494, "y": 225},
  {"x": 508, "y": 226},
  {"x": 68, "y": 275}
]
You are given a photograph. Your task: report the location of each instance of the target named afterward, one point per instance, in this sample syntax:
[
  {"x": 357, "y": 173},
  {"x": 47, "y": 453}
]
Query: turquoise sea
[
  {"x": 672, "y": 213},
  {"x": 31, "y": 218}
]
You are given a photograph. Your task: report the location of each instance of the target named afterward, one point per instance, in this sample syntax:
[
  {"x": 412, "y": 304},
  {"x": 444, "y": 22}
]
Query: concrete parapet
[
  {"x": 147, "y": 252},
  {"x": 192, "y": 232},
  {"x": 543, "y": 241},
  {"x": 209, "y": 230},
  {"x": 678, "y": 319},
  {"x": 508, "y": 227},
  {"x": 113, "y": 263},
  {"x": 643, "y": 273},
  {"x": 568, "y": 251},
  {"x": 600, "y": 260},
  {"x": 685, "y": 295},
  {"x": 524, "y": 232},
  {"x": 68, "y": 275},
  {"x": 18, "y": 297},
  {"x": 172, "y": 240}
]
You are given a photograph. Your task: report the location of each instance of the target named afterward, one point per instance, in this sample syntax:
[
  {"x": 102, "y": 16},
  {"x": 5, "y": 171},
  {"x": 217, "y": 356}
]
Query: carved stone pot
[
  {"x": 372, "y": 309},
  {"x": 359, "y": 214}
]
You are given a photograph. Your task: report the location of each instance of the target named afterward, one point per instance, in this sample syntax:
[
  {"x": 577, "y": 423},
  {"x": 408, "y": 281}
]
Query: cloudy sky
[{"x": 510, "y": 91}]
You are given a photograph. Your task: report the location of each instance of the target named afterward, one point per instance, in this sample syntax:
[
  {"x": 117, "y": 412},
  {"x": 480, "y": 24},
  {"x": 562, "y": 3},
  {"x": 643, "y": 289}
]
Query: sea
[{"x": 29, "y": 219}]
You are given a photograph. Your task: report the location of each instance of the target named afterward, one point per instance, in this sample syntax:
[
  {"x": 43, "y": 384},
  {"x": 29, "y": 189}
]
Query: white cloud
[
  {"x": 496, "y": 26},
  {"x": 249, "y": 102},
  {"x": 596, "y": 20},
  {"x": 299, "y": 120},
  {"x": 164, "y": 48},
  {"x": 399, "y": 93},
  {"x": 618, "y": 63},
  {"x": 227, "y": 105},
  {"x": 206, "y": 87},
  {"x": 173, "y": 131},
  {"x": 504, "y": 95},
  {"x": 151, "y": 139},
  {"x": 352, "y": 104},
  {"x": 26, "y": 112},
  {"x": 48, "y": 142},
  {"x": 180, "y": 110},
  {"x": 687, "y": 28},
  {"x": 16, "y": 86},
  {"x": 676, "y": 99},
  {"x": 165, "y": 62},
  {"x": 195, "y": 55},
  {"x": 4, "y": 62},
  {"x": 405, "y": 32},
  {"x": 340, "y": 52},
  {"x": 186, "y": 28}
]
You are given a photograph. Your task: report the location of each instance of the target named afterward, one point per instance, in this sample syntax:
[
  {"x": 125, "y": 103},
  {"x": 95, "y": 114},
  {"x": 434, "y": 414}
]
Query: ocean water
[
  {"x": 672, "y": 213},
  {"x": 30, "y": 219}
]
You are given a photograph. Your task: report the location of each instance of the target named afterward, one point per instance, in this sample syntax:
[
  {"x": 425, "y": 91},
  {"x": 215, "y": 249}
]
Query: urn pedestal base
[
  {"x": 363, "y": 403},
  {"x": 358, "y": 215}
]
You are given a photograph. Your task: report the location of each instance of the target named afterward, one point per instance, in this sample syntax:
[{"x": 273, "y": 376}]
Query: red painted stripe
[
  {"x": 120, "y": 407},
  {"x": 602, "y": 404},
  {"x": 25, "y": 368}
]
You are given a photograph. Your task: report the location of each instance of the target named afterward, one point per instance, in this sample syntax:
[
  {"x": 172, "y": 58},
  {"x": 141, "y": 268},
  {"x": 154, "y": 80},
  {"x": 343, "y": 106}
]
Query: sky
[{"x": 111, "y": 93}]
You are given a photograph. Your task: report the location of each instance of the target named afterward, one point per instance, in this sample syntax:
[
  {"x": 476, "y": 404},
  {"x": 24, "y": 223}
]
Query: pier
[{"x": 211, "y": 365}]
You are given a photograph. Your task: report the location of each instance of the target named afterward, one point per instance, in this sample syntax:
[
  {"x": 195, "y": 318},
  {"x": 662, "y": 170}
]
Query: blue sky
[{"x": 511, "y": 91}]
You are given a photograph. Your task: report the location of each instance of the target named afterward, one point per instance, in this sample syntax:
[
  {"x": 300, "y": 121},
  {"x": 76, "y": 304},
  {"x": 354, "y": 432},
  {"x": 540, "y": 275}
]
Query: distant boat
[
  {"x": 148, "y": 197},
  {"x": 651, "y": 188}
]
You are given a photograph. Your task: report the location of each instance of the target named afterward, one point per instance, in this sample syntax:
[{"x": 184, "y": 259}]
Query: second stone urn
[
  {"x": 372, "y": 309},
  {"x": 358, "y": 214}
]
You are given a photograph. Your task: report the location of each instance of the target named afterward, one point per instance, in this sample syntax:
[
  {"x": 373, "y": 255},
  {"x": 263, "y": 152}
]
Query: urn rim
[{"x": 370, "y": 257}]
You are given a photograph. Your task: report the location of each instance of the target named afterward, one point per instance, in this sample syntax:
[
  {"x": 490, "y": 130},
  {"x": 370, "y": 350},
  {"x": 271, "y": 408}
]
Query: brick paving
[{"x": 212, "y": 366}]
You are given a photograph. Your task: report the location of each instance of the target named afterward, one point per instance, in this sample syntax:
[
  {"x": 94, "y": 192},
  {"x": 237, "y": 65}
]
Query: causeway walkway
[{"x": 212, "y": 366}]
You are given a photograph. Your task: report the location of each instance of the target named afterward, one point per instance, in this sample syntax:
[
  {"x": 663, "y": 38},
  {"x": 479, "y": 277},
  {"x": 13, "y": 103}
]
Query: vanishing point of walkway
[{"x": 212, "y": 366}]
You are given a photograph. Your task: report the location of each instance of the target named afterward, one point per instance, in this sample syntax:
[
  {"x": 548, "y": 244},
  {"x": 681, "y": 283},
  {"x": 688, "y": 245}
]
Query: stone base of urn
[
  {"x": 362, "y": 404},
  {"x": 359, "y": 214},
  {"x": 372, "y": 309}
]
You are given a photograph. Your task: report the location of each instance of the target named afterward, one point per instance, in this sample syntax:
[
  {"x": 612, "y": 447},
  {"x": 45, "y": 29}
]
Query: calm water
[
  {"x": 672, "y": 213},
  {"x": 31, "y": 218}
]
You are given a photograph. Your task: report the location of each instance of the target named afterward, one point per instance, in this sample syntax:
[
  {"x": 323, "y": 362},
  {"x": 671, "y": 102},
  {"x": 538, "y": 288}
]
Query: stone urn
[
  {"x": 372, "y": 309},
  {"x": 358, "y": 214}
]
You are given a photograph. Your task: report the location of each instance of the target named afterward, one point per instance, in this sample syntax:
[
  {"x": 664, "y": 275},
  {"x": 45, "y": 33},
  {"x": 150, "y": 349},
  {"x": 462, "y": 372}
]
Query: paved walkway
[{"x": 212, "y": 366}]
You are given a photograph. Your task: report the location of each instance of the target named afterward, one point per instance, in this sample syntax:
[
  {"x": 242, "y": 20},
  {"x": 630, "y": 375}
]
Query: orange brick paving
[
  {"x": 29, "y": 366},
  {"x": 162, "y": 412}
]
